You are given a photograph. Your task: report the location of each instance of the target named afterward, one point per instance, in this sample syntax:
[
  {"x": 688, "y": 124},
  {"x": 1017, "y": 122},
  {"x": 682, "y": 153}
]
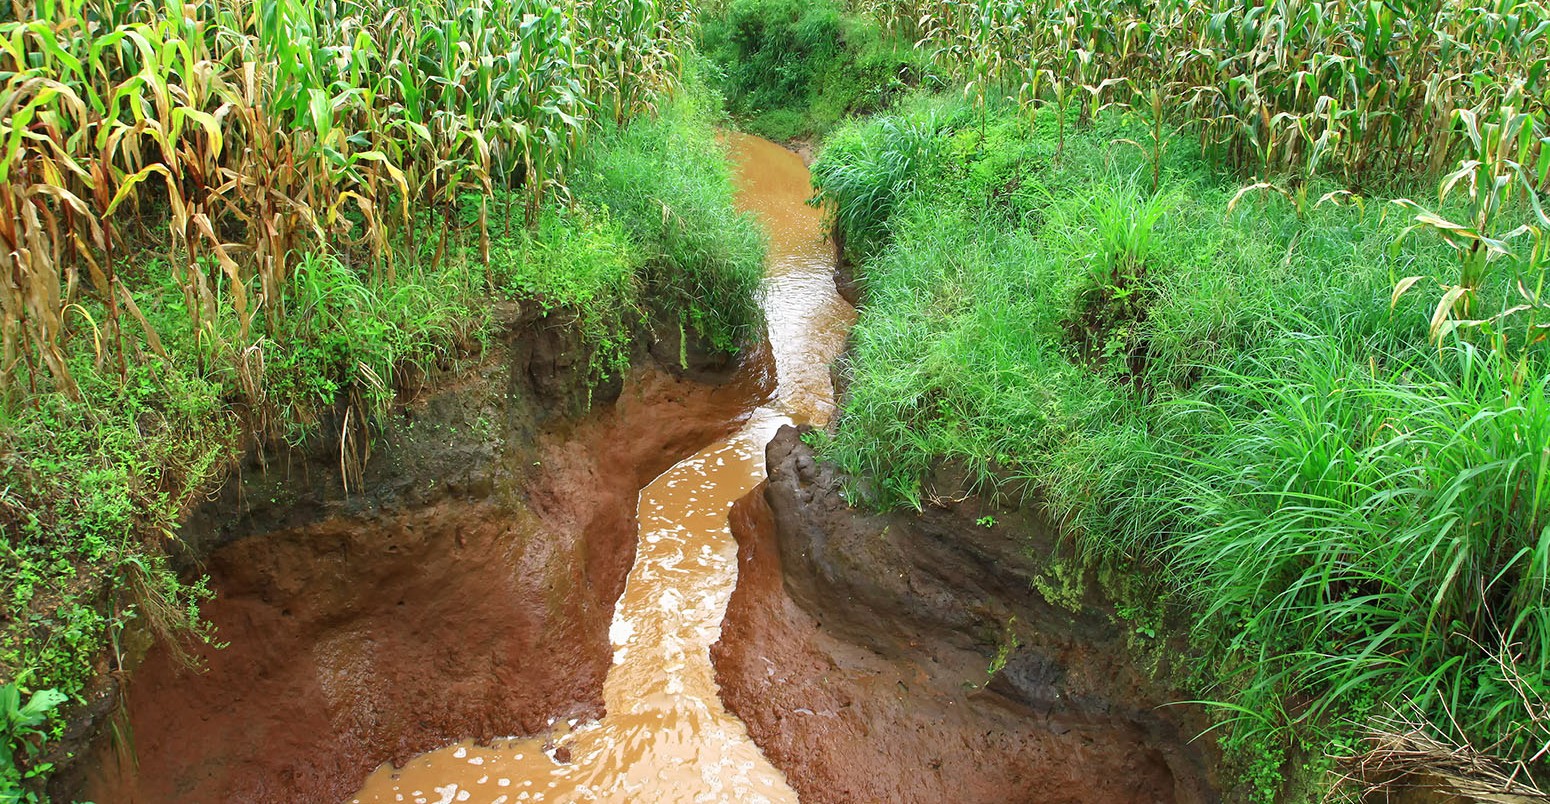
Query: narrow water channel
[{"x": 667, "y": 737}]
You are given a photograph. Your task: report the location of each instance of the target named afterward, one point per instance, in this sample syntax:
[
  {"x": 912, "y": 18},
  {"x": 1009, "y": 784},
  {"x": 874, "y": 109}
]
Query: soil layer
[
  {"x": 467, "y": 593},
  {"x": 906, "y": 657}
]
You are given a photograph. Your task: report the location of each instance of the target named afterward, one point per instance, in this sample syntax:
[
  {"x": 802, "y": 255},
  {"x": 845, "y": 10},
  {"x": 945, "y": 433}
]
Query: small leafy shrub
[{"x": 21, "y": 731}]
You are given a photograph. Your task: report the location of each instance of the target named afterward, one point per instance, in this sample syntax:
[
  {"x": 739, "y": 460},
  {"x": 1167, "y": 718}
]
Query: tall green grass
[
  {"x": 668, "y": 182},
  {"x": 1218, "y": 396},
  {"x": 1366, "y": 528},
  {"x": 869, "y": 169}
]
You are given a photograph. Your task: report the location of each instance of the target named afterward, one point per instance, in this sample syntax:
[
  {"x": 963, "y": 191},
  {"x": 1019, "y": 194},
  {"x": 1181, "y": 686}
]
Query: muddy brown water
[{"x": 666, "y": 736}]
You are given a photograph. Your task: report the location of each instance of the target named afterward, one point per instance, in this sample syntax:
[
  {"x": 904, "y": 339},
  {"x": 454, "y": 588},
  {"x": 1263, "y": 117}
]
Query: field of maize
[
  {"x": 1289, "y": 86},
  {"x": 230, "y": 136}
]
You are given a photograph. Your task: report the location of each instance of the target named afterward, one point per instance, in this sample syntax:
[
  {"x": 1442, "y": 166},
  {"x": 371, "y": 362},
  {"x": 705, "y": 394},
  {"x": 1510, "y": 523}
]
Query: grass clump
[
  {"x": 667, "y": 181},
  {"x": 1221, "y": 391},
  {"x": 868, "y": 169},
  {"x": 1370, "y": 531},
  {"x": 580, "y": 260}
]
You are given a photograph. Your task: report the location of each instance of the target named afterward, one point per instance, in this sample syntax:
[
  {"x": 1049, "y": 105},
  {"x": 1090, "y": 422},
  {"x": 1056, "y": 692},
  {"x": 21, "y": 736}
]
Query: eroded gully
[{"x": 666, "y": 736}]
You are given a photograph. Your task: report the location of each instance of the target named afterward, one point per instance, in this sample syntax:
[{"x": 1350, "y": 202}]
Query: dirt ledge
[{"x": 857, "y": 648}]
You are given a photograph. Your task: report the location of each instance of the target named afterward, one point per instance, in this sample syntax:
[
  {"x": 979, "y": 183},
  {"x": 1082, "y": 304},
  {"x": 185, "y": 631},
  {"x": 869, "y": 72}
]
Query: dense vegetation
[
  {"x": 795, "y": 68},
  {"x": 1349, "y": 512},
  {"x": 1141, "y": 261},
  {"x": 225, "y": 221},
  {"x": 1138, "y": 259}
]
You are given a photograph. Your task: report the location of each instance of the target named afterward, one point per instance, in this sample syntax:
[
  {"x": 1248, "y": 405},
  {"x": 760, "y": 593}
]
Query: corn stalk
[{"x": 232, "y": 136}]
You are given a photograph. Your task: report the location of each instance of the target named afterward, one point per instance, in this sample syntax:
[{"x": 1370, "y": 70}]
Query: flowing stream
[{"x": 667, "y": 737}]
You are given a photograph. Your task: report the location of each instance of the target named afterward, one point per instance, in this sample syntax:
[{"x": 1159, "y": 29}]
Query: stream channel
[
  {"x": 675, "y": 622},
  {"x": 667, "y": 737}
]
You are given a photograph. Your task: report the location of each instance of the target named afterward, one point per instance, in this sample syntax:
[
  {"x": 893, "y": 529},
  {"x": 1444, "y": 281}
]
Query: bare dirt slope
[{"x": 858, "y": 649}]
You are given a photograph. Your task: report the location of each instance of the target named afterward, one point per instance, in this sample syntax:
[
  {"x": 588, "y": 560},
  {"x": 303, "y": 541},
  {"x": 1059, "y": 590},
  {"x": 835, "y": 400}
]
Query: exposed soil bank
[
  {"x": 857, "y": 649},
  {"x": 466, "y": 593}
]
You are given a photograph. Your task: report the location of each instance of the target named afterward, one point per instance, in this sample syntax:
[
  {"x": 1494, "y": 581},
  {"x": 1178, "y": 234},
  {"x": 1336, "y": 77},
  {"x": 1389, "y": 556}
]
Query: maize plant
[
  {"x": 1277, "y": 86},
  {"x": 1494, "y": 173},
  {"x": 233, "y": 136}
]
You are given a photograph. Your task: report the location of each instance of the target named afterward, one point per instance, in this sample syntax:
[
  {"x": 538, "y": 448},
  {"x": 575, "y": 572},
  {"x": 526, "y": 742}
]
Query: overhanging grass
[{"x": 668, "y": 183}]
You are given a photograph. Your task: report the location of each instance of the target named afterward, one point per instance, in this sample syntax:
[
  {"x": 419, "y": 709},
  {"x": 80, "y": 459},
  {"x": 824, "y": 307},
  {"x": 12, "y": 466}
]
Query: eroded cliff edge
[
  {"x": 911, "y": 657},
  {"x": 463, "y": 587}
]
